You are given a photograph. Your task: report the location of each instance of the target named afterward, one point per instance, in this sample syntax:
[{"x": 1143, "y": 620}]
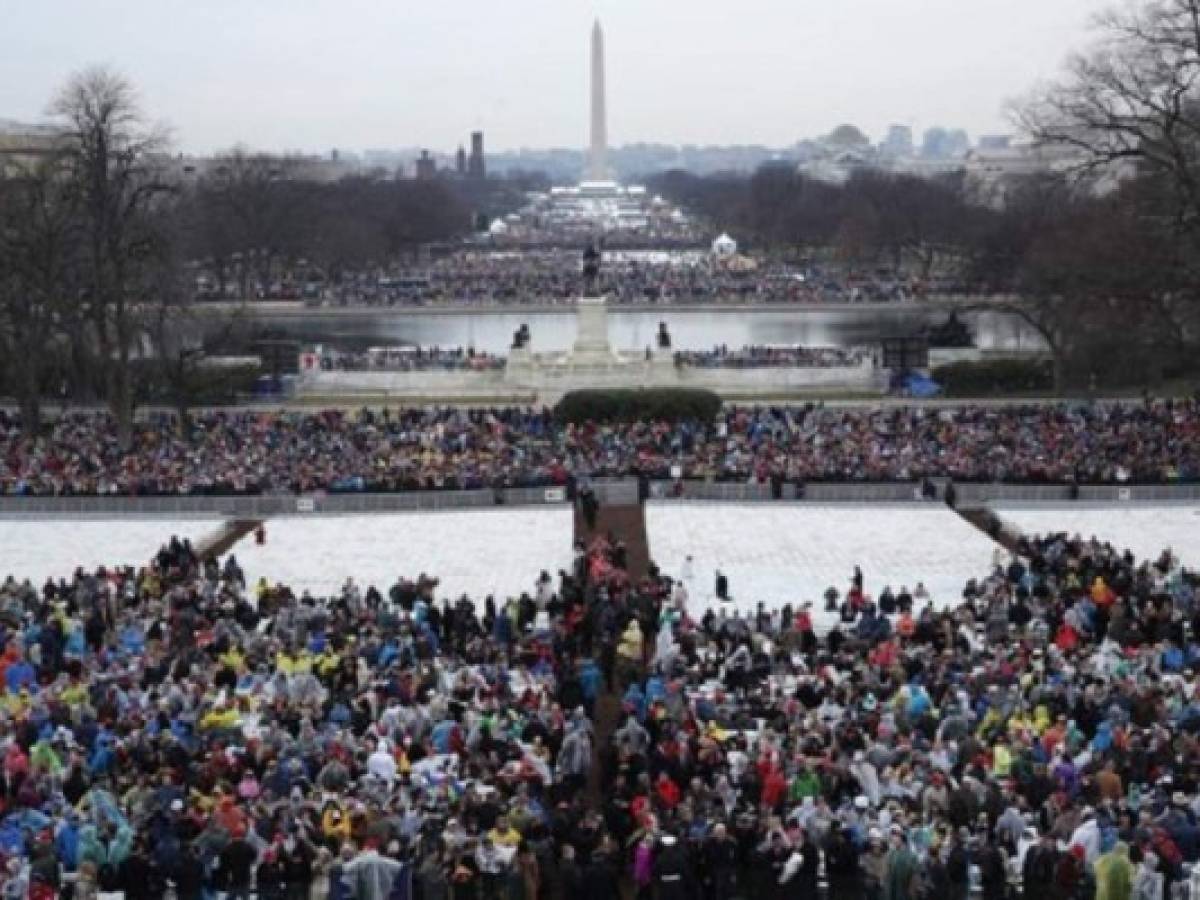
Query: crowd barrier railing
[{"x": 609, "y": 491}]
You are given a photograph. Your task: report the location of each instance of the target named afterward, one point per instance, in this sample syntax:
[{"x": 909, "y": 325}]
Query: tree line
[
  {"x": 101, "y": 242},
  {"x": 100, "y": 245},
  {"x": 1101, "y": 254}
]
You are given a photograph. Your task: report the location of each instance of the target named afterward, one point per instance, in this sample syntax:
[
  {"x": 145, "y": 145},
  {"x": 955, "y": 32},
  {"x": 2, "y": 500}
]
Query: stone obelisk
[{"x": 597, "y": 164}]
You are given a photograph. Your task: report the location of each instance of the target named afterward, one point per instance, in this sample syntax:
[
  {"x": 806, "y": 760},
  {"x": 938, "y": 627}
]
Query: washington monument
[{"x": 597, "y": 165}]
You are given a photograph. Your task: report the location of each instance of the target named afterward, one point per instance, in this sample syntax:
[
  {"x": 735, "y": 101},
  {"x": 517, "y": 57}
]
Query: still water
[{"x": 635, "y": 329}]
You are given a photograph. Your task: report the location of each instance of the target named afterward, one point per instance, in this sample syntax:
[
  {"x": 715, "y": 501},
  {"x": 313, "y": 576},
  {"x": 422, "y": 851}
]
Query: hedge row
[
  {"x": 670, "y": 404},
  {"x": 996, "y": 376}
]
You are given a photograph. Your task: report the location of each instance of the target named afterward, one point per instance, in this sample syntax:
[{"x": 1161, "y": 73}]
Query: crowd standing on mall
[
  {"x": 173, "y": 725},
  {"x": 387, "y": 450},
  {"x": 552, "y": 277}
]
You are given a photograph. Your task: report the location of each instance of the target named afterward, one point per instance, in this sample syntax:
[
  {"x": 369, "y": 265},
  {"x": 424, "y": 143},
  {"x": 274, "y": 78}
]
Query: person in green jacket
[
  {"x": 806, "y": 784},
  {"x": 901, "y": 874},
  {"x": 1114, "y": 874}
]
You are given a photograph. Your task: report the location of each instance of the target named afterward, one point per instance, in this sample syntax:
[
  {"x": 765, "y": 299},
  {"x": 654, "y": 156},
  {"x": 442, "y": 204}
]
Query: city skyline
[{"x": 311, "y": 80}]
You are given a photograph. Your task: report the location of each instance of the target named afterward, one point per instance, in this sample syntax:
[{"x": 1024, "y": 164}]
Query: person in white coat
[
  {"x": 1087, "y": 835},
  {"x": 371, "y": 876},
  {"x": 382, "y": 764}
]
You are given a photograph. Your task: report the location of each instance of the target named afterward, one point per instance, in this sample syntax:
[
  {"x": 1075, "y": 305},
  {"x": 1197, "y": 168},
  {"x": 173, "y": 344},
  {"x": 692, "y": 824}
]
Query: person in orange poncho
[
  {"x": 1102, "y": 595},
  {"x": 230, "y": 817}
]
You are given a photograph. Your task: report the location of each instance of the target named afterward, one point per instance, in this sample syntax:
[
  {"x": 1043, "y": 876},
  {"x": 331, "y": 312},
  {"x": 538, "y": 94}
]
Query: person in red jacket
[
  {"x": 668, "y": 791},
  {"x": 774, "y": 789},
  {"x": 1067, "y": 638}
]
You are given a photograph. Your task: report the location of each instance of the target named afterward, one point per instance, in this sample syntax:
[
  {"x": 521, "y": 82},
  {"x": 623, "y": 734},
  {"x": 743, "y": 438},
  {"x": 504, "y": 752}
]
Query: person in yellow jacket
[
  {"x": 233, "y": 659},
  {"x": 631, "y": 643},
  {"x": 503, "y": 834},
  {"x": 223, "y": 716},
  {"x": 326, "y": 662},
  {"x": 16, "y": 703},
  {"x": 629, "y": 653},
  {"x": 293, "y": 662},
  {"x": 990, "y": 720},
  {"x": 1019, "y": 721},
  {"x": 1001, "y": 759},
  {"x": 74, "y": 695},
  {"x": 335, "y": 825}
]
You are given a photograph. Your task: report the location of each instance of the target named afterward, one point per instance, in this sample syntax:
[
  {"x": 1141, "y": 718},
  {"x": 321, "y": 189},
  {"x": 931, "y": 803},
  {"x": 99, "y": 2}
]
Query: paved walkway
[{"x": 628, "y": 525}]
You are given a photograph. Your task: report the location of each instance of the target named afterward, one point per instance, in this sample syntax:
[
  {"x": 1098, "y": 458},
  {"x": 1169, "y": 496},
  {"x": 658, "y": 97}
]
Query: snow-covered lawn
[
  {"x": 789, "y": 553},
  {"x": 1147, "y": 530},
  {"x": 478, "y": 552},
  {"x": 41, "y": 548}
]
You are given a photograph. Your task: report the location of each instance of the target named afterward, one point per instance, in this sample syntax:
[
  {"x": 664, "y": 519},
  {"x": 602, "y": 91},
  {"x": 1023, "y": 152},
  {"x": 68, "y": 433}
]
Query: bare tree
[
  {"x": 256, "y": 208},
  {"x": 1132, "y": 101},
  {"x": 1127, "y": 115},
  {"x": 38, "y": 256},
  {"x": 111, "y": 156}
]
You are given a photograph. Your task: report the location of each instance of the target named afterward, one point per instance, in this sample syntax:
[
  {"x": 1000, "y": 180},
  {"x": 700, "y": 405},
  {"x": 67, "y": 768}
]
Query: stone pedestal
[
  {"x": 520, "y": 365},
  {"x": 662, "y": 363},
  {"x": 591, "y": 349}
]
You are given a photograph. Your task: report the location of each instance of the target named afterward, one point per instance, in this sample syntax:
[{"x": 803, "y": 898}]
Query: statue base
[{"x": 592, "y": 350}]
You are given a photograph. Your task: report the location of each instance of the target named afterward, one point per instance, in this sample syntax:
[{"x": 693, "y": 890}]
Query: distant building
[
  {"x": 923, "y": 167},
  {"x": 838, "y": 166},
  {"x": 992, "y": 174},
  {"x": 460, "y": 161},
  {"x": 958, "y": 143},
  {"x": 995, "y": 142},
  {"x": 426, "y": 167},
  {"x": 180, "y": 169},
  {"x": 899, "y": 142},
  {"x": 941, "y": 143},
  {"x": 846, "y": 136},
  {"x": 23, "y": 145},
  {"x": 475, "y": 165}
]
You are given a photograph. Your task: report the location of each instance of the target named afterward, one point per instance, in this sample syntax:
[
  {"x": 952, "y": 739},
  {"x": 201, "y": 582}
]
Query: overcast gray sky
[{"x": 315, "y": 74}]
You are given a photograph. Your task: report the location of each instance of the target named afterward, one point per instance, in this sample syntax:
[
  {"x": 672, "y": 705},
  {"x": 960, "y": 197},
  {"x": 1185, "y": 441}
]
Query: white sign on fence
[
  {"x": 1124, "y": 494},
  {"x": 555, "y": 495},
  {"x": 306, "y": 505}
]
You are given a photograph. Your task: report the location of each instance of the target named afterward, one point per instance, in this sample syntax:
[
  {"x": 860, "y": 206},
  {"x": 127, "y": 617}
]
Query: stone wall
[{"x": 547, "y": 377}]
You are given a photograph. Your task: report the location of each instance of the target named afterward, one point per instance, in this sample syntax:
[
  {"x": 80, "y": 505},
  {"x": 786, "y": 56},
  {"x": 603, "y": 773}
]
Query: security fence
[{"x": 613, "y": 492}]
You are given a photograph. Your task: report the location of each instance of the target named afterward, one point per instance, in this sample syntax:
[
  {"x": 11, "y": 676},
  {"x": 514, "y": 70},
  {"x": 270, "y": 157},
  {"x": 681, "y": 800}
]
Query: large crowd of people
[
  {"x": 460, "y": 359},
  {"x": 247, "y": 451},
  {"x": 553, "y": 277},
  {"x": 410, "y": 359},
  {"x": 175, "y": 727},
  {"x": 766, "y": 356}
]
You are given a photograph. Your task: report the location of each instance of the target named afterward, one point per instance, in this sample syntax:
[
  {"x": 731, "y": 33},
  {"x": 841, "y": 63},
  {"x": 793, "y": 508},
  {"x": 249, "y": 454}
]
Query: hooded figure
[
  {"x": 1148, "y": 884},
  {"x": 1114, "y": 874},
  {"x": 901, "y": 870}
]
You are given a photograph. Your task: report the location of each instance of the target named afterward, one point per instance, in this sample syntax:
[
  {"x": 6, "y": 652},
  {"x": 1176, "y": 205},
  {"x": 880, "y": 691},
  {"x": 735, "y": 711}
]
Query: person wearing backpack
[
  {"x": 1170, "y": 858},
  {"x": 993, "y": 871},
  {"x": 1074, "y": 880},
  {"x": 958, "y": 867},
  {"x": 1041, "y": 864}
]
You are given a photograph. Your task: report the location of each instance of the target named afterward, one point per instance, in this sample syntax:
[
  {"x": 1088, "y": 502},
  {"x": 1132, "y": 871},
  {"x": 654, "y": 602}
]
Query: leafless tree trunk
[
  {"x": 37, "y": 256},
  {"x": 111, "y": 153}
]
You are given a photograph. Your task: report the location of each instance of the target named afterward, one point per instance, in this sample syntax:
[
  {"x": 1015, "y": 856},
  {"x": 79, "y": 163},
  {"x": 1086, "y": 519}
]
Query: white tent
[{"x": 724, "y": 247}]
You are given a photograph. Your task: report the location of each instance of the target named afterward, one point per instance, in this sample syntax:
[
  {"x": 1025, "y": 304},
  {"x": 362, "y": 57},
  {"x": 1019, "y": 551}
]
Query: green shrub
[
  {"x": 670, "y": 404},
  {"x": 995, "y": 376}
]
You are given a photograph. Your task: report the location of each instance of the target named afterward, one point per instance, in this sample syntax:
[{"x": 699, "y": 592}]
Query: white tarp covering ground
[
  {"x": 1147, "y": 530},
  {"x": 481, "y": 552},
  {"x": 790, "y": 553},
  {"x": 41, "y": 548}
]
